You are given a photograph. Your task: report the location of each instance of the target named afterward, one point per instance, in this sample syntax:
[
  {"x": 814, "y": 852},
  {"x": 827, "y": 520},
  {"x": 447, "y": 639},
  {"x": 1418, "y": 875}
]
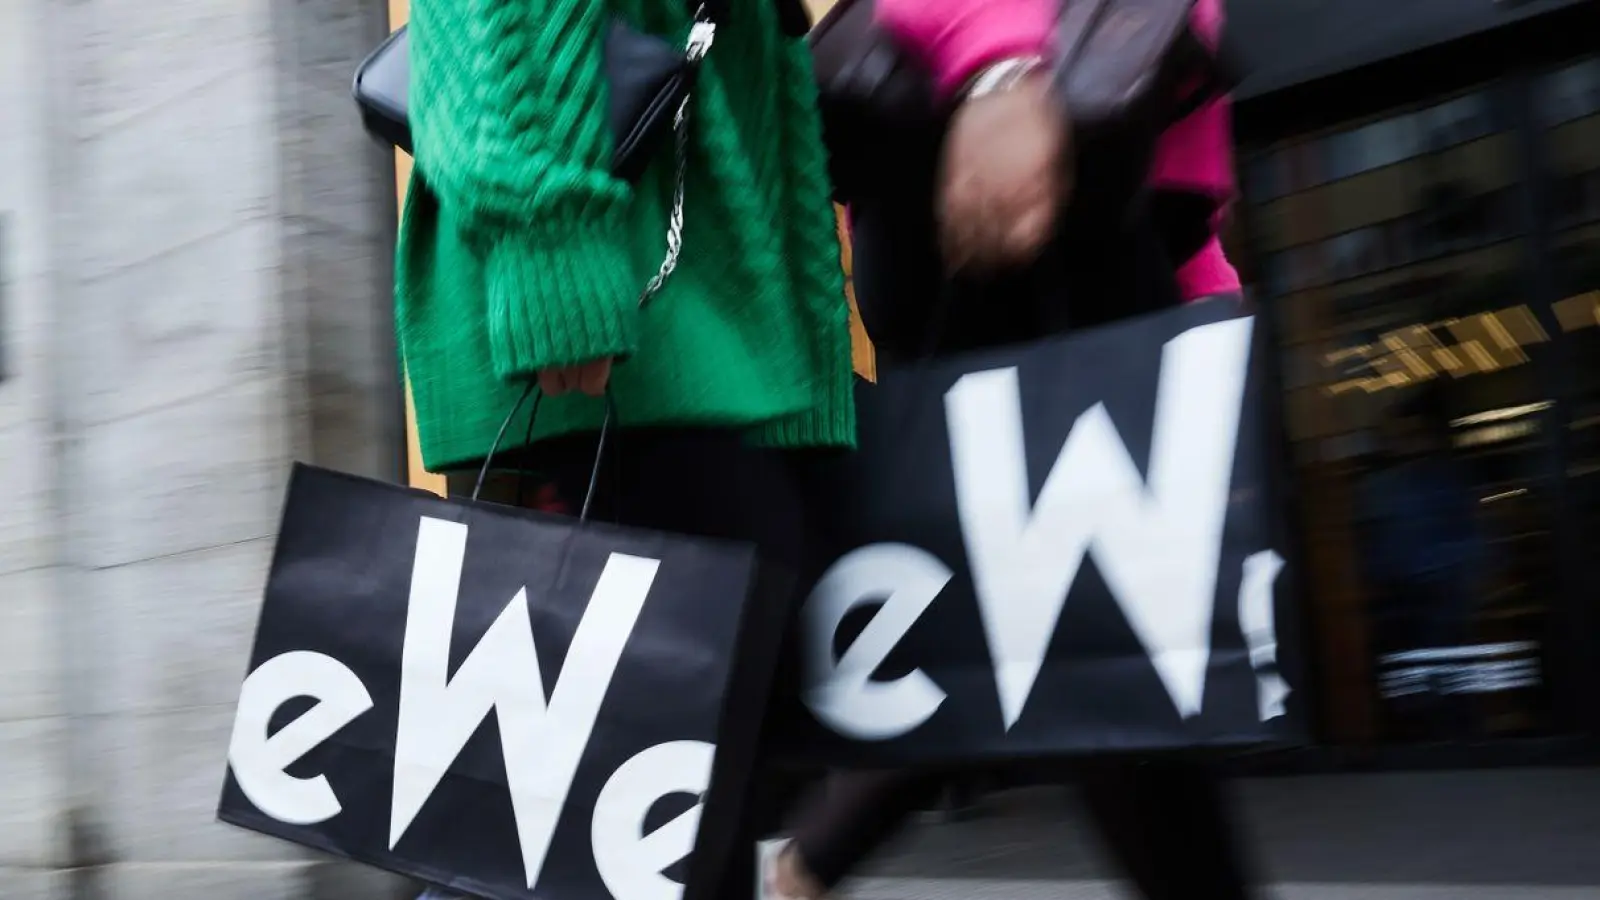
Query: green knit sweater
[{"x": 519, "y": 251}]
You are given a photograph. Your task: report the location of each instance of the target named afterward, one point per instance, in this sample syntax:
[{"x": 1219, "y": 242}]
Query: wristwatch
[{"x": 1001, "y": 76}]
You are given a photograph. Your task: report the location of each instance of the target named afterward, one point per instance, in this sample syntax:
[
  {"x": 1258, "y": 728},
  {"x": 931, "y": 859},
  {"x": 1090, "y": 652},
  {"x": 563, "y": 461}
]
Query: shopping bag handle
[{"x": 538, "y": 395}]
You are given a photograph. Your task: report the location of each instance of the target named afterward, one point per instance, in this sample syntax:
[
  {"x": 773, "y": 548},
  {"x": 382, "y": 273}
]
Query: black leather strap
[{"x": 1219, "y": 69}]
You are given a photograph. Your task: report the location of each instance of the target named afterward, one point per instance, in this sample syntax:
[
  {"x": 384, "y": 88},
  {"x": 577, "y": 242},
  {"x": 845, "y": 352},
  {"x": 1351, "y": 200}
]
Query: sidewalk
[
  {"x": 1485, "y": 835},
  {"x": 996, "y": 889}
]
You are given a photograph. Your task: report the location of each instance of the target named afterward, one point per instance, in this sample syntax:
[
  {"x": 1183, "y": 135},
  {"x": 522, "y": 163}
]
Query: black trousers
[
  {"x": 1163, "y": 821},
  {"x": 696, "y": 481}
]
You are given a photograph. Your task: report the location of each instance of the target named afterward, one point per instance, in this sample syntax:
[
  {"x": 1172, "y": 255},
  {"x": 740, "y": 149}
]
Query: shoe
[{"x": 785, "y": 877}]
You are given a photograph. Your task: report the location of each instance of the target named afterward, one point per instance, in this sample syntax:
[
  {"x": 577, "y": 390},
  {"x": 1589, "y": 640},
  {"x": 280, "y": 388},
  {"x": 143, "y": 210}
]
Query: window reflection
[
  {"x": 1391, "y": 252},
  {"x": 1568, "y": 101},
  {"x": 1570, "y": 93},
  {"x": 1452, "y": 220},
  {"x": 1345, "y": 153}
]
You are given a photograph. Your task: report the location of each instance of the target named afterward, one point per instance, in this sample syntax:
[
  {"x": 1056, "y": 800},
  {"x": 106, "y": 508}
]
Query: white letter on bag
[
  {"x": 542, "y": 744},
  {"x": 842, "y": 694},
  {"x": 1157, "y": 545},
  {"x": 630, "y": 862},
  {"x": 259, "y": 761}
]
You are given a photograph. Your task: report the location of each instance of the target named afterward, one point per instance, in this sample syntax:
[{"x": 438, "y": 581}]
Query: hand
[
  {"x": 1005, "y": 175},
  {"x": 590, "y": 378}
]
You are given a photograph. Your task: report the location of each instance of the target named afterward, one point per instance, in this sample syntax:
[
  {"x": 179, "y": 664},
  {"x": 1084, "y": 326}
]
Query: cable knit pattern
[
  {"x": 519, "y": 251},
  {"x": 494, "y": 82},
  {"x": 834, "y": 409}
]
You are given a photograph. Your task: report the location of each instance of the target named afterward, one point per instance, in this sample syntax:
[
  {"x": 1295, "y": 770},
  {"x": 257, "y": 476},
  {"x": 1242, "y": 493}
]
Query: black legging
[{"x": 1164, "y": 821}]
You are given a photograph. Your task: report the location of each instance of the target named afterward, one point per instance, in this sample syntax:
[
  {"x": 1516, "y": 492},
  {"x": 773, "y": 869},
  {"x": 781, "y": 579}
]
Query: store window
[
  {"x": 1568, "y": 101},
  {"x": 1570, "y": 93},
  {"x": 1393, "y": 254}
]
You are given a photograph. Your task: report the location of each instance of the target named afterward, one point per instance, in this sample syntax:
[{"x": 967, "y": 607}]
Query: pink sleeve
[
  {"x": 957, "y": 38},
  {"x": 1196, "y": 154},
  {"x": 1206, "y": 19},
  {"x": 1208, "y": 273}
]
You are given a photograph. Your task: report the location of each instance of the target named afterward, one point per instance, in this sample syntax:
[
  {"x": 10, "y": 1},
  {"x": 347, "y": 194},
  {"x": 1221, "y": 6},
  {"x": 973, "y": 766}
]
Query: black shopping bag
[
  {"x": 1063, "y": 547},
  {"x": 504, "y": 702}
]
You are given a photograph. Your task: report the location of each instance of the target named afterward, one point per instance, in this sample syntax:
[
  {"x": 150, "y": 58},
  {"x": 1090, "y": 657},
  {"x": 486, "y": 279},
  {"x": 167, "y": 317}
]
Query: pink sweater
[{"x": 956, "y": 38}]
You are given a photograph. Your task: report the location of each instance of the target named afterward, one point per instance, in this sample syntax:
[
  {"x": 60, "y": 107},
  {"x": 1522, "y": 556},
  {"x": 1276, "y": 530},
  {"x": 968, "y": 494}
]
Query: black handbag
[
  {"x": 877, "y": 104},
  {"x": 649, "y": 79}
]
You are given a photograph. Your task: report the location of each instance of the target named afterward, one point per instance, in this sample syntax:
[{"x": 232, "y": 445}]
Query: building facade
[{"x": 1422, "y": 231}]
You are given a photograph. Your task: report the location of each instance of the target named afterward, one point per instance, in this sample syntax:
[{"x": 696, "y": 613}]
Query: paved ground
[
  {"x": 996, "y": 889},
  {"x": 1502, "y": 835}
]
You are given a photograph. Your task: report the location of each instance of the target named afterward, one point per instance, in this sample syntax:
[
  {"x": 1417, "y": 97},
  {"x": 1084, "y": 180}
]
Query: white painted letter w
[
  {"x": 542, "y": 744},
  {"x": 1156, "y": 545}
]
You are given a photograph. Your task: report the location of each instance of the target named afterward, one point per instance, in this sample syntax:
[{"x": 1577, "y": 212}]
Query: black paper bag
[
  {"x": 503, "y": 702},
  {"x": 1057, "y": 548}
]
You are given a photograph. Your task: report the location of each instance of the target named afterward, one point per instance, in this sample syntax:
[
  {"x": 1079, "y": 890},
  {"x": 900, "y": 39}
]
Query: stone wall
[{"x": 194, "y": 280}]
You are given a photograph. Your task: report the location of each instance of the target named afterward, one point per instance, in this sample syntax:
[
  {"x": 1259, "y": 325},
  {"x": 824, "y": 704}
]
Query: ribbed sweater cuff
[
  {"x": 829, "y": 423},
  {"x": 560, "y": 298}
]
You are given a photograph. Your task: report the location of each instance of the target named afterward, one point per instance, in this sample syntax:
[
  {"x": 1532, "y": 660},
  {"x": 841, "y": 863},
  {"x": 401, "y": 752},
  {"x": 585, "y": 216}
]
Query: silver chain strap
[{"x": 701, "y": 36}]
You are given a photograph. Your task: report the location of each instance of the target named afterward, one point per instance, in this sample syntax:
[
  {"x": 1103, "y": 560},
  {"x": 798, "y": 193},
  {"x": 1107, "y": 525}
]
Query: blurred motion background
[{"x": 195, "y": 251}]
